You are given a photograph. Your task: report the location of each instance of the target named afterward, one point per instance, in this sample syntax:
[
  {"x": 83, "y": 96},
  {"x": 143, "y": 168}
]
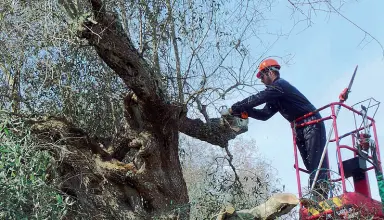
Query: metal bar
[
  {"x": 296, "y": 163},
  {"x": 331, "y": 104},
  {"x": 377, "y": 146},
  {"x": 334, "y": 116},
  {"x": 353, "y": 149},
  {"x": 301, "y": 169},
  {"x": 313, "y": 122},
  {"x": 336, "y": 180},
  {"x": 351, "y": 109},
  {"x": 349, "y": 133},
  {"x": 353, "y": 141},
  {"x": 370, "y": 168},
  {"x": 361, "y": 185},
  {"x": 338, "y": 149},
  {"x": 312, "y": 113}
]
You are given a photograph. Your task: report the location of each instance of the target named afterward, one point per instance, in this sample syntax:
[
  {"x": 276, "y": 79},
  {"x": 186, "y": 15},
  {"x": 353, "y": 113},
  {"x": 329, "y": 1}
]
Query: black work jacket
[{"x": 281, "y": 97}]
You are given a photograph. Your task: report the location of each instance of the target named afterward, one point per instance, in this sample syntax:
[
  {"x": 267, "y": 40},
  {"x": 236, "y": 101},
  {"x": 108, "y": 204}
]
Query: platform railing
[{"x": 336, "y": 139}]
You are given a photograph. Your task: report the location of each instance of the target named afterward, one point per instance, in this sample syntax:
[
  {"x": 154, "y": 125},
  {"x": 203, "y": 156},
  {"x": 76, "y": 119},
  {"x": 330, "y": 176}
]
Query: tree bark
[
  {"x": 149, "y": 185},
  {"x": 152, "y": 132},
  {"x": 148, "y": 145}
]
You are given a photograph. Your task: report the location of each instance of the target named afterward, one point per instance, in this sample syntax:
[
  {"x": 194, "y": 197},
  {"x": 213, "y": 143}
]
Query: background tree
[{"x": 211, "y": 180}]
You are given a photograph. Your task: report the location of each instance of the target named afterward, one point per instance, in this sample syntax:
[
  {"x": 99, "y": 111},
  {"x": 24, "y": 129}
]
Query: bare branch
[
  {"x": 354, "y": 24},
  {"x": 230, "y": 159},
  {"x": 315, "y": 5}
]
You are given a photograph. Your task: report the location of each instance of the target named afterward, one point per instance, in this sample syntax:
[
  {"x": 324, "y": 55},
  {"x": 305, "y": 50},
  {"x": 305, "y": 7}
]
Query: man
[{"x": 281, "y": 96}]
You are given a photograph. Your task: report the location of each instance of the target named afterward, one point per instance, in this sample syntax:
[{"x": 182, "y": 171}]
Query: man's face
[{"x": 265, "y": 77}]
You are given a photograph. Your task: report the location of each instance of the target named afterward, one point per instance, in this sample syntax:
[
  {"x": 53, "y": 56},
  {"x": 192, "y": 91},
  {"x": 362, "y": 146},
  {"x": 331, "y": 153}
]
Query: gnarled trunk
[
  {"x": 150, "y": 140},
  {"x": 138, "y": 175}
]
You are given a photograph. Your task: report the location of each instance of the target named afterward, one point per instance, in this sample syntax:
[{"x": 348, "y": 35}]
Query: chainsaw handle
[
  {"x": 244, "y": 115},
  {"x": 224, "y": 110},
  {"x": 344, "y": 95}
]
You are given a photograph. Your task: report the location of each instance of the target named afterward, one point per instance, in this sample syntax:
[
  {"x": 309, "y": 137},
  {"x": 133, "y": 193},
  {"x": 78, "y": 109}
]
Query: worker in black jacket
[{"x": 281, "y": 96}]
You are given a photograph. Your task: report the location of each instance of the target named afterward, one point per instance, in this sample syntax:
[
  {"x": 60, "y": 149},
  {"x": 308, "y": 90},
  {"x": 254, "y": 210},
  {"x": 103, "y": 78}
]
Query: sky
[{"x": 324, "y": 58}]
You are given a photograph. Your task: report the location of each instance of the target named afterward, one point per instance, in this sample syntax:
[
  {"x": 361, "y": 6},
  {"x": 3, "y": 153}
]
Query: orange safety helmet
[{"x": 268, "y": 63}]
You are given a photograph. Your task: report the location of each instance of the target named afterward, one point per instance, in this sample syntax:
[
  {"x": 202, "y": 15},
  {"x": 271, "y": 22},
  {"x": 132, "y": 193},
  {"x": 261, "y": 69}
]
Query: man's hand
[{"x": 226, "y": 111}]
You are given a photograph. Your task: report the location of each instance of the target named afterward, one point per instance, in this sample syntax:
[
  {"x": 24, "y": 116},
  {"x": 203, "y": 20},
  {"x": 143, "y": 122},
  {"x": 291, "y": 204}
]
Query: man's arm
[
  {"x": 262, "y": 114},
  {"x": 270, "y": 93}
]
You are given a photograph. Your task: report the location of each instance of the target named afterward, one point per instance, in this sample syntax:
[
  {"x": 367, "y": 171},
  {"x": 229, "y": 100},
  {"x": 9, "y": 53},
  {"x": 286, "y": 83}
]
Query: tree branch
[
  {"x": 230, "y": 160},
  {"x": 214, "y": 133},
  {"x": 118, "y": 52}
]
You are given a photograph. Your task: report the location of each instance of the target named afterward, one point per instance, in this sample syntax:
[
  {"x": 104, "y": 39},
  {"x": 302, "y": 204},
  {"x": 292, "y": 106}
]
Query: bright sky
[{"x": 325, "y": 56}]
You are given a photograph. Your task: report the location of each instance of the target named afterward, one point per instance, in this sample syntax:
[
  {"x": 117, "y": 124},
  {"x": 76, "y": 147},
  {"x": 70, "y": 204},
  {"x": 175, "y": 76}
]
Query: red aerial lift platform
[{"x": 348, "y": 205}]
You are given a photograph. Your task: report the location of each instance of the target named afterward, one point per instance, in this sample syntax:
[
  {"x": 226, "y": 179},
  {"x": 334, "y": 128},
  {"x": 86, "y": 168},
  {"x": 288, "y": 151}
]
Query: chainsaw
[{"x": 238, "y": 123}]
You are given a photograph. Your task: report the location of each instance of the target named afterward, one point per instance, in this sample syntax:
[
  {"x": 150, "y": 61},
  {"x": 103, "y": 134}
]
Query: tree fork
[
  {"x": 119, "y": 53},
  {"x": 152, "y": 119}
]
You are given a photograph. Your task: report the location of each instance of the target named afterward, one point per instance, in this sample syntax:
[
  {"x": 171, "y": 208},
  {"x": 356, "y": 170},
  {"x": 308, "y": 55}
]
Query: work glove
[{"x": 225, "y": 111}]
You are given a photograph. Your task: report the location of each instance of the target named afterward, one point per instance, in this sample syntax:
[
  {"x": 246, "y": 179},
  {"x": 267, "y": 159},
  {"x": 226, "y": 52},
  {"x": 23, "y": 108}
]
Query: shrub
[{"x": 25, "y": 191}]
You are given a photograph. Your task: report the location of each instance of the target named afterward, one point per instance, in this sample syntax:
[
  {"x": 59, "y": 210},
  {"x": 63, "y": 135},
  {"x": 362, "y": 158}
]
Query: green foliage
[
  {"x": 44, "y": 68},
  {"x": 24, "y": 174}
]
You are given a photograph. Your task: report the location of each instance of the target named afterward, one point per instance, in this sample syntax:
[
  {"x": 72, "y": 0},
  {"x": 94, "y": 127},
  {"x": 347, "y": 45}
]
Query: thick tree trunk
[
  {"x": 140, "y": 172},
  {"x": 139, "y": 176},
  {"x": 152, "y": 131}
]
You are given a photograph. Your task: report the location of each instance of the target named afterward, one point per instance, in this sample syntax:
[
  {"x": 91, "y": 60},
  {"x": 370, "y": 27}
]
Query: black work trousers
[{"x": 311, "y": 141}]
